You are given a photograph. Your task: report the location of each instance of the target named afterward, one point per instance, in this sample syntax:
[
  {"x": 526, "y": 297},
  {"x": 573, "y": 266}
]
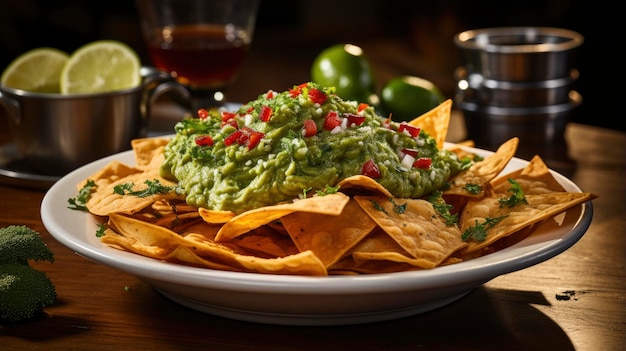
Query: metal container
[
  {"x": 489, "y": 92},
  {"x": 519, "y": 53},
  {"x": 57, "y": 133},
  {"x": 490, "y": 126}
]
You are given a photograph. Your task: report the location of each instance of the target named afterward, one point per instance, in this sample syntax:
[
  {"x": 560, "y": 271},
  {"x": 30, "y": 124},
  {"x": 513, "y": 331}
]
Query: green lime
[
  {"x": 37, "y": 70},
  {"x": 345, "y": 67},
  {"x": 408, "y": 97},
  {"x": 101, "y": 66}
]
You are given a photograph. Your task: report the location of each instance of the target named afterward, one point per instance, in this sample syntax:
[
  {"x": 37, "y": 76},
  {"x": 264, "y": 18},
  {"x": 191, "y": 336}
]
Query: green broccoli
[{"x": 23, "y": 290}]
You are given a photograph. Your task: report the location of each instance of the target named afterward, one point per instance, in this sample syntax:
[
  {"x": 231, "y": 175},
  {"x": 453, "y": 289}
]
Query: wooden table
[{"x": 574, "y": 301}]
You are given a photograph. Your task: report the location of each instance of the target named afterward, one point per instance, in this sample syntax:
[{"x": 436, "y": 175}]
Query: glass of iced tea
[{"x": 202, "y": 43}]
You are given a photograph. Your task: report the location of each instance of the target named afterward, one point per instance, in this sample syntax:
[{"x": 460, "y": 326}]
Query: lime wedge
[
  {"x": 37, "y": 70},
  {"x": 101, "y": 66}
]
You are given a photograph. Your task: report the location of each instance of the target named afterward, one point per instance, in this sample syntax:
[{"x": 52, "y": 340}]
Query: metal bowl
[
  {"x": 476, "y": 88},
  {"x": 519, "y": 53},
  {"x": 490, "y": 126}
]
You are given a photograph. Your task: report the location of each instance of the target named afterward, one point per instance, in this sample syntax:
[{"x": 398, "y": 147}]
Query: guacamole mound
[{"x": 284, "y": 145}]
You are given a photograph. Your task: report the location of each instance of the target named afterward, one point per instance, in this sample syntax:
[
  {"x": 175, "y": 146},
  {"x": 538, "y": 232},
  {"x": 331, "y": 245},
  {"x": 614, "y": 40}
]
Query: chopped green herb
[
  {"x": 473, "y": 188},
  {"x": 442, "y": 208},
  {"x": 517, "y": 197},
  {"x": 479, "y": 231},
  {"x": 154, "y": 187},
  {"x": 79, "y": 202},
  {"x": 328, "y": 190},
  {"x": 100, "y": 230},
  {"x": 378, "y": 207},
  {"x": 399, "y": 209},
  {"x": 304, "y": 192}
]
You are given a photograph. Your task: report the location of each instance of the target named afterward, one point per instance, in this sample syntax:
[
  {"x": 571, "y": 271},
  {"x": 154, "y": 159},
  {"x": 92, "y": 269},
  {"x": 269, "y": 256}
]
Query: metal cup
[{"x": 58, "y": 133}]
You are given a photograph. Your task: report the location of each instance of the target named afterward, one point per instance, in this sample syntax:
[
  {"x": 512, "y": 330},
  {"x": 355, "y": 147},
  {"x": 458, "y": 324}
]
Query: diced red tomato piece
[
  {"x": 423, "y": 162},
  {"x": 231, "y": 122},
  {"x": 233, "y": 137},
  {"x": 412, "y": 152},
  {"x": 353, "y": 119},
  {"x": 296, "y": 91},
  {"x": 204, "y": 140},
  {"x": 265, "y": 114},
  {"x": 370, "y": 169},
  {"x": 317, "y": 96},
  {"x": 228, "y": 116},
  {"x": 254, "y": 139},
  {"x": 309, "y": 128},
  {"x": 203, "y": 114},
  {"x": 412, "y": 130},
  {"x": 269, "y": 94},
  {"x": 332, "y": 120},
  {"x": 362, "y": 106}
]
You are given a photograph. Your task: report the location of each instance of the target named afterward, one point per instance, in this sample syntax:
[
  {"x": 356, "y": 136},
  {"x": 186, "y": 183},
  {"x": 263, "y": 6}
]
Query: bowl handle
[
  {"x": 12, "y": 108},
  {"x": 157, "y": 83}
]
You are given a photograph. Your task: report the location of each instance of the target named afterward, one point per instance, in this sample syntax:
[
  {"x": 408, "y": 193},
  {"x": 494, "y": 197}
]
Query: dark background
[{"x": 297, "y": 30}]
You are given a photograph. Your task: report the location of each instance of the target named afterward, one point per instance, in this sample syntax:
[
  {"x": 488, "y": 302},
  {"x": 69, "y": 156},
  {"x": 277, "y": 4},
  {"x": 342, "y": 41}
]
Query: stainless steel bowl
[
  {"x": 490, "y": 126},
  {"x": 477, "y": 89},
  {"x": 519, "y": 53}
]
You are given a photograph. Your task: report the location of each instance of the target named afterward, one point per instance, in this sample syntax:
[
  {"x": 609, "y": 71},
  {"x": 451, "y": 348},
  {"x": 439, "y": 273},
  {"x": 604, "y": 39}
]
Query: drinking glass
[{"x": 201, "y": 43}]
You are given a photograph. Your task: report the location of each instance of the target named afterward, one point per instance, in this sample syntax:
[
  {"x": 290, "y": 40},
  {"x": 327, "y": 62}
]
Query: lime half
[
  {"x": 37, "y": 70},
  {"x": 101, "y": 66}
]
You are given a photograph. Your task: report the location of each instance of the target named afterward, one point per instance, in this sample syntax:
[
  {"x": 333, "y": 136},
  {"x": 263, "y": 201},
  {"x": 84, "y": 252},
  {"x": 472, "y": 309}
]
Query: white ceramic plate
[{"x": 298, "y": 300}]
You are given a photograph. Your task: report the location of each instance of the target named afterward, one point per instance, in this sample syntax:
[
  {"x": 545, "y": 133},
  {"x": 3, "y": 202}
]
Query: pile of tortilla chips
[{"x": 359, "y": 229}]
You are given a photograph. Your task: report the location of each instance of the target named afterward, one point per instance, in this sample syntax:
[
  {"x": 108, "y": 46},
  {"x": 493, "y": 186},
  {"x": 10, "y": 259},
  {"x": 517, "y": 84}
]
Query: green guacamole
[{"x": 269, "y": 151}]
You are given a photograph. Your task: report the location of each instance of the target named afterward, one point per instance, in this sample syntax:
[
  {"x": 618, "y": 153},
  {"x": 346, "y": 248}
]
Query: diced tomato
[
  {"x": 233, "y": 137},
  {"x": 370, "y": 169},
  {"x": 332, "y": 120},
  {"x": 204, "y": 140},
  {"x": 254, "y": 139},
  {"x": 353, "y": 119},
  {"x": 231, "y": 122},
  {"x": 412, "y": 152},
  {"x": 309, "y": 128},
  {"x": 412, "y": 130},
  {"x": 269, "y": 94},
  {"x": 265, "y": 114},
  {"x": 317, "y": 96},
  {"x": 203, "y": 114},
  {"x": 228, "y": 116},
  {"x": 423, "y": 162},
  {"x": 362, "y": 106},
  {"x": 296, "y": 91}
]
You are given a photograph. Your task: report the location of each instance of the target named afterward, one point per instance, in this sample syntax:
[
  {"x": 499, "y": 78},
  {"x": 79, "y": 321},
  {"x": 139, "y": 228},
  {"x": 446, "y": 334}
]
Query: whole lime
[
  {"x": 407, "y": 97},
  {"x": 345, "y": 67}
]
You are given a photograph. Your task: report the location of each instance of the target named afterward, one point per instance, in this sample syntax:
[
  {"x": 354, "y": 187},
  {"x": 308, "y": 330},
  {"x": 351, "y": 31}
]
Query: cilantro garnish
[
  {"x": 79, "y": 202},
  {"x": 154, "y": 187},
  {"x": 399, "y": 209},
  {"x": 100, "y": 230},
  {"x": 378, "y": 207},
  {"x": 516, "y": 198},
  {"x": 479, "y": 231},
  {"x": 327, "y": 190},
  {"x": 473, "y": 188},
  {"x": 442, "y": 208}
]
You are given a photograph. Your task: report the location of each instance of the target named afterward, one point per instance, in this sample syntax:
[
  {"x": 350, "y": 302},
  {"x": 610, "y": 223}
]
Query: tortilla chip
[
  {"x": 415, "y": 226},
  {"x": 482, "y": 172},
  {"x": 109, "y": 174},
  {"x": 535, "y": 178},
  {"x": 216, "y": 216},
  {"x": 512, "y": 219},
  {"x": 331, "y": 204},
  {"x": 105, "y": 201},
  {"x": 329, "y": 237},
  {"x": 359, "y": 184},
  {"x": 145, "y": 150},
  {"x": 435, "y": 122}
]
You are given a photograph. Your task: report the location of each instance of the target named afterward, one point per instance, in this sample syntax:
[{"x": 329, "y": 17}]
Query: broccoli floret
[
  {"x": 20, "y": 244},
  {"x": 23, "y": 290}
]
